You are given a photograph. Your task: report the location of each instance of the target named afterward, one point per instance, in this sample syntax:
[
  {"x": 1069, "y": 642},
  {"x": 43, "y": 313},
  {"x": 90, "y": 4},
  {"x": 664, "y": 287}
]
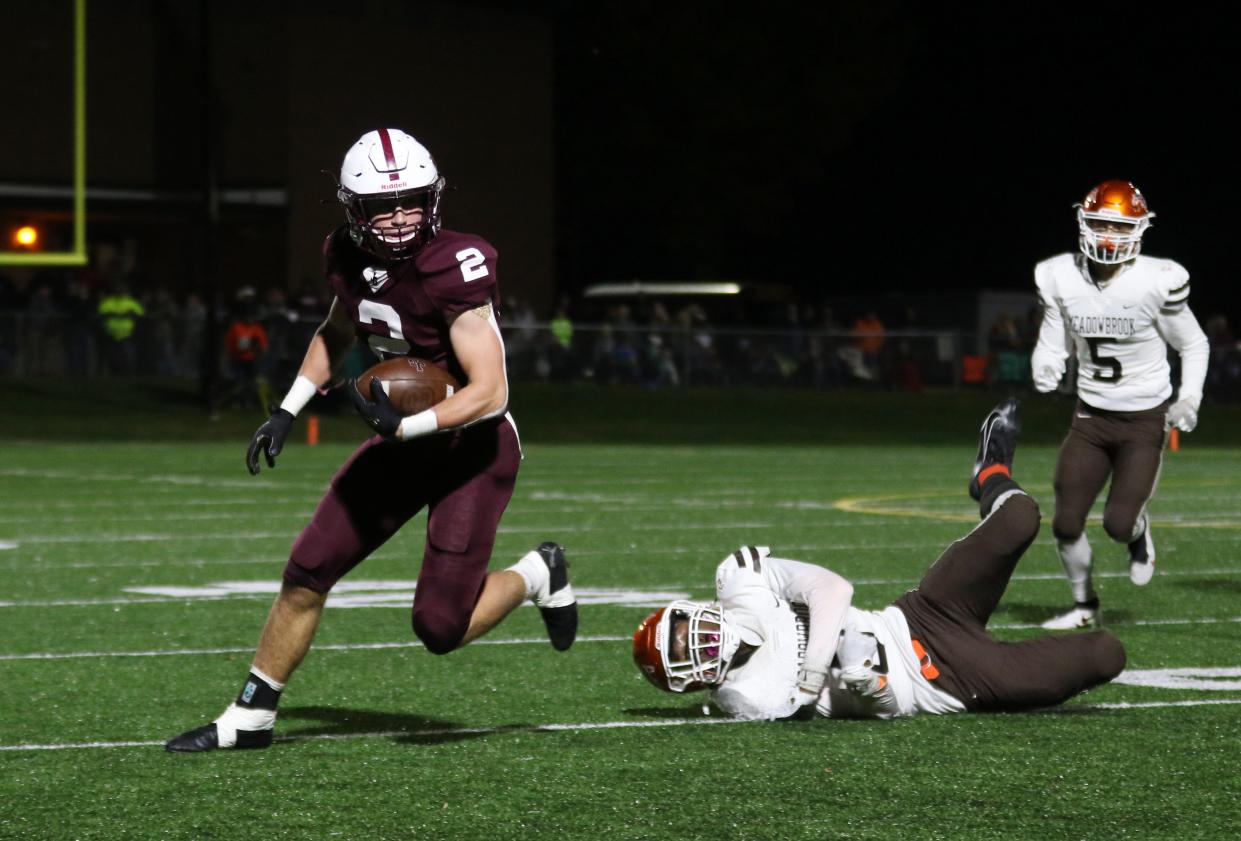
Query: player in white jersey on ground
[
  {"x": 1119, "y": 312},
  {"x": 782, "y": 636}
]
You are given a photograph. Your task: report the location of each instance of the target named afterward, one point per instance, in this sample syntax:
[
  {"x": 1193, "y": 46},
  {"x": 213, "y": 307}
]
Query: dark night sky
[{"x": 885, "y": 147}]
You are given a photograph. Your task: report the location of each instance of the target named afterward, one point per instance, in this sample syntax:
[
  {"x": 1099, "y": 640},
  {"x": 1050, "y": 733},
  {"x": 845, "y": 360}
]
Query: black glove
[
  {"x": 269, "y": 439},
  {"x": 380, "y": 413}
]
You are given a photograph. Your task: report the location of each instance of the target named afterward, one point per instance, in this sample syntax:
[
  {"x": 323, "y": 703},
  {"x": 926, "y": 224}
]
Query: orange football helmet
[
  {"x": 1111, "y": 221},
  {"x": 710, "y": 644}
]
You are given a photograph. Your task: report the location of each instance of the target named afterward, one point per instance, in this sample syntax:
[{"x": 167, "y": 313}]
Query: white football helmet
[
  {"x": 1111, "y": 221},
  {"x": 710, "y": 645},
  {"x": 384, "y": 170}
]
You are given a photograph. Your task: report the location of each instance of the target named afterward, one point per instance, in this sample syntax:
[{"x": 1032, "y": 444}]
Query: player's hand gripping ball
[{"x": 398, "y": 387}]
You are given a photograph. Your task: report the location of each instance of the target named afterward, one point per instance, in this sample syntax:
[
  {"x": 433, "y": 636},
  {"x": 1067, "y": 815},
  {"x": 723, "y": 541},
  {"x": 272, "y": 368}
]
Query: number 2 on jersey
[
  {"x": 1107, "y": 368},
  {"x": 394, "y": 344},
  {"x": 473, "y": 264}
]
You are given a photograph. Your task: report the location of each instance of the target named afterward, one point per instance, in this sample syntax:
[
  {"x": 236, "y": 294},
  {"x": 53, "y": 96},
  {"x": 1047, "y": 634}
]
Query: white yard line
[
  {"x": 371, "y": 646},
  {"x": 286, "y": 534},
  {"x": 77, "y": 477},
  {"x": 133, "y": 600},
  {"x": 390, "y": 734},
  {"x": 560, "y": 728},
  {"x": 360, "y": 646},
  {"x": 177, "y": 564}
]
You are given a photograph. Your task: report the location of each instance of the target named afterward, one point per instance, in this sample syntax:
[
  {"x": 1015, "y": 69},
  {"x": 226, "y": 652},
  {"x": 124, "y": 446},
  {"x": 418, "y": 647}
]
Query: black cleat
[
  {"x": 557, "y": 604},
  {"x": 997, "y": 441},
  {"x": 207, "y": 738}
]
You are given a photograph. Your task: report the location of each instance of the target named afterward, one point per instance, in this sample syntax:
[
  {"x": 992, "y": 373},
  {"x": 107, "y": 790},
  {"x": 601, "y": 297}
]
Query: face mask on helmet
[
  {"x": 391, "y": 190},
  {"x": 685, "y": 646},
  {"x": 1111, "y": 221}
]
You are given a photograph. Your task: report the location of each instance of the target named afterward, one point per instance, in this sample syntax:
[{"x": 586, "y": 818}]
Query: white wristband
[
  {"x": 299, "y": 395},
  {"x": 415, "y": 426}
]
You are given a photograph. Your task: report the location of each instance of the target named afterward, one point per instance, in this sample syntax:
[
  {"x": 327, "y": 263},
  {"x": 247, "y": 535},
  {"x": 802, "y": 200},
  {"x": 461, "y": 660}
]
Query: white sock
[
  {"x": 534, "y": 572},
  {"x": 241, "y": 718},
  {"x": 1075, "y": 558},
  {"x": 272, "y": 682},
  {"x": 1139, "y": 528}
]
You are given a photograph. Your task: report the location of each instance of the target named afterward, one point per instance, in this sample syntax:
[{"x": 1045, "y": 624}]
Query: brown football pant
[
  {"x": 1127, "y": 445},
  {"x": 948, "y": 615}
]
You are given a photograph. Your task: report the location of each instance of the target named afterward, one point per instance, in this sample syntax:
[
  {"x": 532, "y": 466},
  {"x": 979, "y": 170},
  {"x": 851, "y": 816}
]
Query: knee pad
[
  {"x": 1028, "y": 516},
  {"x": 439, "y": 631},
  {"x": 1066, "y": 531},
  {"x": 300, "y": 576},
  {"x": 1119, "y": 527},
  {"x": 1109, "y": 655}
]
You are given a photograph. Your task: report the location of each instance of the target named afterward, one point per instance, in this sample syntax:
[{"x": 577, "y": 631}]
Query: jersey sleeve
[
  {"x": 1172, "y": 288},
  {"x": 751, "y": 572},
  {"x": 1052, "y": 350},
  {"x": 1180, "y": 329},
  {"x": 752, "y": 576},
  {"x": 826, "y": 594},
  {"x": 741, "y": 587},
  {"x": 460, "y": 274}
]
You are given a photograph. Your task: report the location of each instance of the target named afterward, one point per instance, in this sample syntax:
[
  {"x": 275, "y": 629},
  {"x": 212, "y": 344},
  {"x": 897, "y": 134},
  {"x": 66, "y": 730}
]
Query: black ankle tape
[
  {"x": 258, "y": 694},
  {"x": 996, "y": 486}
]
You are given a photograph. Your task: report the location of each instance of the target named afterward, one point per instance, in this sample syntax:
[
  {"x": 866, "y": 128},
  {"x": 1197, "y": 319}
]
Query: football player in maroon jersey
[{"x": 405, "y": 286}]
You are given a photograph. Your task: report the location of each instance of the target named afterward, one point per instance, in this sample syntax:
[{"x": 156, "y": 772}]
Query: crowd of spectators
[
  {"x": 72, "y": 322},
  {"x": 658, "y": 343}
]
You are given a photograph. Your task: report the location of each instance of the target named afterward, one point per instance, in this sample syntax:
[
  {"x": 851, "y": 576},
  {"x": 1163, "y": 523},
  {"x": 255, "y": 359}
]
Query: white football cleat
[
  {"x": 1079, "y": 616},
  {"x": 1142, "y": 556}
]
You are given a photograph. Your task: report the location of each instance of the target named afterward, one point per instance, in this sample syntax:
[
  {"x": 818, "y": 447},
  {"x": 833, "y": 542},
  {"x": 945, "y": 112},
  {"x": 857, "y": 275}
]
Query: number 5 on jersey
[{"x": 1107, "y": 368}]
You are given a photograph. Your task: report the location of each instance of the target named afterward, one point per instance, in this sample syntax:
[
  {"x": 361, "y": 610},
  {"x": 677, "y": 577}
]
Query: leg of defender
[
  {"x": 1136, "y": 474},
  {"x": 1082, "y": 469},
  {"x": 971, "y": 575},
  {"x": 1041, "y": 672}
]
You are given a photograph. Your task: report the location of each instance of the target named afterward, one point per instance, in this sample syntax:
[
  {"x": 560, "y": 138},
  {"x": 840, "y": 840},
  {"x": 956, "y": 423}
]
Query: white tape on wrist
[
  {"x": 415, "y": 426},
  {"x": 299, "y": 395}
]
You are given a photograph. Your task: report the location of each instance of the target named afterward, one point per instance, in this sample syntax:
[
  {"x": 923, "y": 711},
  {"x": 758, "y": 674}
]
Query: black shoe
[
  {"x": 206, "y": 738},
  {"x": 557, "y": 603},
  {"x": 997, "y": 441}
]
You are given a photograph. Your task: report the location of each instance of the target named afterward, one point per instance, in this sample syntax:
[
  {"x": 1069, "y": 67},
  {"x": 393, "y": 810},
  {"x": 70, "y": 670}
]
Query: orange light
[{"x": 26, "y": 236}]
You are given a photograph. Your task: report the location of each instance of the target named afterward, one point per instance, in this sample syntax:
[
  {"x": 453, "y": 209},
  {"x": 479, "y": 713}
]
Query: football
[{"x": 412, "y": 384}]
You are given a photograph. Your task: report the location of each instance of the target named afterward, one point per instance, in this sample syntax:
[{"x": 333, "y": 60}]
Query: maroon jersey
[{"x": 405, "y": 308}]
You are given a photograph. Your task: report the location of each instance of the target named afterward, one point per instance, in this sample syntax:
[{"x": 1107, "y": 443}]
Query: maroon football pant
[
  {"x": 465, "y": 479},
  {"x": 949, "y": 610},
  {"x": 1127, "y": 445}
]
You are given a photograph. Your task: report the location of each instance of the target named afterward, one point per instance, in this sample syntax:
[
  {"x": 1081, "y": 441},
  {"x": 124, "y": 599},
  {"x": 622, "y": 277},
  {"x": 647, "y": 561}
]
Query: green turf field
[{"x": 136, "y": 576}]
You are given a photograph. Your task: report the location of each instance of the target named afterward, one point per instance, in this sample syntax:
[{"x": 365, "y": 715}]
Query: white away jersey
[
  {"x": 901, "y": 689},
  {"x": 765, "y": 685},
  {"x": 752, "y": 587},
  {"x": 1120, "y": 331}
]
